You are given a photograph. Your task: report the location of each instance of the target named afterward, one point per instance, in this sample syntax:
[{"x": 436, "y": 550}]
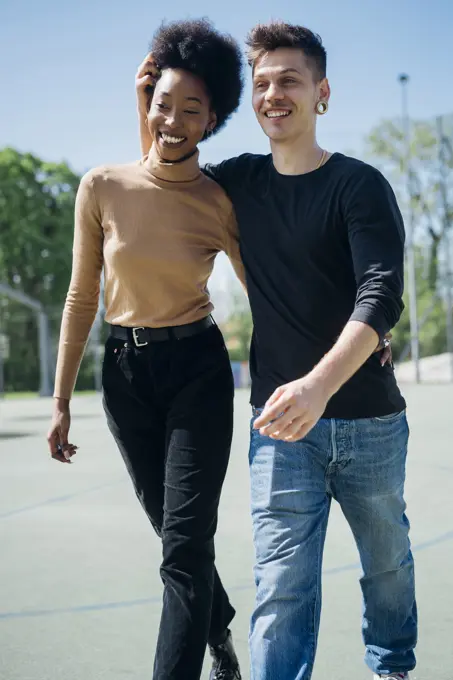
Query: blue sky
[{"x": 67, "y": 69}]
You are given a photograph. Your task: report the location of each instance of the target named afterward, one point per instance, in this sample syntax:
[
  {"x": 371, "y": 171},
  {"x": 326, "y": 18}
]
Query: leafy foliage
[
  {"x": 36, "y": 232},
  {"x": 430, "y": 175}
]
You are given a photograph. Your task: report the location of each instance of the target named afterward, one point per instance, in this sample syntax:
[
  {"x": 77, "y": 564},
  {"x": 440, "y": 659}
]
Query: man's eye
[
  {"x": 289, "y": 81},
  {"x": 193, "y": 113},
  {"x": 260, "y": 86}
]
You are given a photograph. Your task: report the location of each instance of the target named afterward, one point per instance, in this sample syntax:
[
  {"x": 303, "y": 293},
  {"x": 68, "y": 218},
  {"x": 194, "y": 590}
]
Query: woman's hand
[
  {"x": 145, "y": 81},
  {"x": 57, "y": 438},
  {"x": 385, "y": 347}
]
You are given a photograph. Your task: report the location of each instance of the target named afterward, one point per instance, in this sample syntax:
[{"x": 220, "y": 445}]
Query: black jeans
[{"x": 169, "y": 406}]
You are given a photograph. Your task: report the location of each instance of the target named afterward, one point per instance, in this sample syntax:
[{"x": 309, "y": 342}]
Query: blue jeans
[{"x": 361, "y": 464}]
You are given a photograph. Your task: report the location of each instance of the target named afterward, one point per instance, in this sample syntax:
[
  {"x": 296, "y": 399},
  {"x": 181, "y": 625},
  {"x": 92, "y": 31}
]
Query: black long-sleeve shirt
[{"x": 319, "y": 249}]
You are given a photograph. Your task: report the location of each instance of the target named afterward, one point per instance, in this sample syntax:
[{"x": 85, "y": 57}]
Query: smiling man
[{"x": 322, "y": 241}]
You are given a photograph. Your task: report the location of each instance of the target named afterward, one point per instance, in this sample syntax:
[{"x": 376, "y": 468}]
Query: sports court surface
[{"x": 79, "y": 582}]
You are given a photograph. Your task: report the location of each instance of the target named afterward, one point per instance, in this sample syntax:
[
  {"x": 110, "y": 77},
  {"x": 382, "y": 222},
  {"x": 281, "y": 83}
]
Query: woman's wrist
[{"x": 61, "y": 404}]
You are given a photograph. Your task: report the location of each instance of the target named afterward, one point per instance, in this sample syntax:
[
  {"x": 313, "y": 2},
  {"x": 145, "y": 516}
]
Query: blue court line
[
  {"x": 82, "y": 608},
  {"x": 58, "y": 499},
  {"x": 415, "y": 548},
  {"x": 123, "y": 604}
]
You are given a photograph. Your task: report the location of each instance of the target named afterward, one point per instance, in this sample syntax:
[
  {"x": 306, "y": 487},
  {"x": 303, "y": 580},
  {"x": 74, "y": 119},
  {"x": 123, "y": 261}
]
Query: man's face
[{"x": 285, "y": 94}]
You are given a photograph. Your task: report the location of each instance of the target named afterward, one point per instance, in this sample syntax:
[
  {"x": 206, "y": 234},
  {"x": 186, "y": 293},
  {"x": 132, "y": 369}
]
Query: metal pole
[
  {"x": 449, "y": 304},
  {"x": 446, "y": 235},
  {"x": 95, "y": 338},
  {"x": 3, "y": 342},
  {"x": 45, "y": 388},
  {"x": 410, "y": 251},
  {"x": 2, "y": 372},
  {"x": 424, "y": 318}
]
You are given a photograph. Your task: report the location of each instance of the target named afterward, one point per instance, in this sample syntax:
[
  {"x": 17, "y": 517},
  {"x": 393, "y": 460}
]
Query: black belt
[{"x": 141, "y": 336}]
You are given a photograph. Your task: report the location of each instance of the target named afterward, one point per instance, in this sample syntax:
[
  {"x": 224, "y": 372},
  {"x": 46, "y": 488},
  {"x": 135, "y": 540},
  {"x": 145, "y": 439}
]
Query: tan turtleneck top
[{"x": 156, "y": 229}]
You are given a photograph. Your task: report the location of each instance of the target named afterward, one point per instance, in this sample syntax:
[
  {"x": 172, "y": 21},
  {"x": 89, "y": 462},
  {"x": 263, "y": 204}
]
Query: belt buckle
[{"x": 135, "y": 336}]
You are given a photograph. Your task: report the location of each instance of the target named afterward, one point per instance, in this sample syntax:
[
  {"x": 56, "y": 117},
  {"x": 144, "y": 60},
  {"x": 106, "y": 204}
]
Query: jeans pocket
[
  {"x": 119, "y": 355},
  {"x": 124, "y": 362},
  {"x": 117, "y": 358},
  {"x": 257, "y": 411},
  {"x": 112, "y": 350},
  {"x": 391, "y": 418}
]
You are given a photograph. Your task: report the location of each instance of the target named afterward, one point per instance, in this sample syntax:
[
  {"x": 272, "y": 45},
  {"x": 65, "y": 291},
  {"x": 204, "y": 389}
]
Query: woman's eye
[
  {"x": 161, "y": 106},
  {"x": 193, "y": 113}
]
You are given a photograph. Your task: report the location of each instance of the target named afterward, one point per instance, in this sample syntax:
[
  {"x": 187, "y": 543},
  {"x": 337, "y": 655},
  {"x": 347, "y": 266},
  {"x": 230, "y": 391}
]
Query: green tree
[
  {"x": 431, "y": 315},
  {"x": 386, "y": 146},
  {"x": 36, "y": 231},
  {"x": 238, "y": 327}
]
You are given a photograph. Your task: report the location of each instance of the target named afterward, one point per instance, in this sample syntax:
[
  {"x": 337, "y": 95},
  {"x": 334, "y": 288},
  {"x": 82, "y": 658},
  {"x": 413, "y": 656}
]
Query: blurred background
[
  {"x": 68, "y": 104},
  {"x": 80, "y": 591}
]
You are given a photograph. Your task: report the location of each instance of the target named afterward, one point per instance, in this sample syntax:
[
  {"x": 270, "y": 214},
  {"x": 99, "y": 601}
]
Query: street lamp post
[
  {"x": 410, "y": 225},
  {"x": 443, "y": 160}
]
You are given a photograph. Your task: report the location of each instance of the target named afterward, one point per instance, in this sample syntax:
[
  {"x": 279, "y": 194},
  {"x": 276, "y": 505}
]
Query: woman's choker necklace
[
  {"x": 164, "y": 161},
  {"x": 183, "y": 169}
]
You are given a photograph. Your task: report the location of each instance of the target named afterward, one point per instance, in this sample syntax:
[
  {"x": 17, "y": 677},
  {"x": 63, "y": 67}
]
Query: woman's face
[{"x": 180, "y": 114}]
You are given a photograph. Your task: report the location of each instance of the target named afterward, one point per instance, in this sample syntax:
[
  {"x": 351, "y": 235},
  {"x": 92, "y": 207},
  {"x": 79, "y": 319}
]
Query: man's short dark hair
[
  {"x": 265, "y": 38},
  {"x": 216, "y": 58}
]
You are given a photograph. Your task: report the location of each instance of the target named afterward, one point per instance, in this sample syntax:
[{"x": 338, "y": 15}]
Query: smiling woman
[
  {"x": 180, "y": 114},
  {"x": 215, "y": 59},
  {"x": 193, "y": 85},
  {"x": 155, "y": 228}
]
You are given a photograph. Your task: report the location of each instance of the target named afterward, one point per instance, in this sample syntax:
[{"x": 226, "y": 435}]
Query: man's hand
[
  {"x": 145, "y": 81},
  {"x": 293, "y": 410},
  {"x": 57, "y": 438}
]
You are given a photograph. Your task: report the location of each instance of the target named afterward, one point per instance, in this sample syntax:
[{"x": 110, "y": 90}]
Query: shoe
[
  {"x": 393, "y": 676},
  {"x": 225, "y": 664}
]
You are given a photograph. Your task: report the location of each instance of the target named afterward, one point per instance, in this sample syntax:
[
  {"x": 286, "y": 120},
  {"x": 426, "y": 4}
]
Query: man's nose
[{"x": 274, "y": 92}]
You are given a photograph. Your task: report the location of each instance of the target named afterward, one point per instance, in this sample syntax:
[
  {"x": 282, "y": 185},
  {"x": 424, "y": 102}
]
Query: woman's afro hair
[{"x": 215, "y": 58}]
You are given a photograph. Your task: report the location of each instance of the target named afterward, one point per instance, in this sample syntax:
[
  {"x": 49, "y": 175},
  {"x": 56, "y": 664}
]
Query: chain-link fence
[{"x": 21, "y": 364}]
